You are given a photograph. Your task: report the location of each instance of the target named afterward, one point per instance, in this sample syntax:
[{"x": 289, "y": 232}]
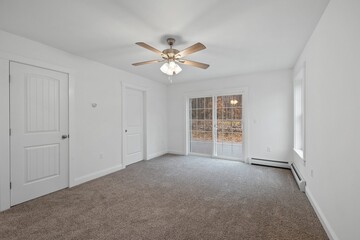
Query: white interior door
[
  {"x": 133, "y": 126},
  {"x": 39, "y": 131}
]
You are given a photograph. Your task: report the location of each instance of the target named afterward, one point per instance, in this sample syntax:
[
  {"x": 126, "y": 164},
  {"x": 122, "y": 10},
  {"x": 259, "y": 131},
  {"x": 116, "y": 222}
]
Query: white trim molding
[
  {"x": 4, "y": 136},
  {"x": 155, "y": 155},
  {"x": 300, "y": 153},
  {"x": 176, "y": 153},
  {"x": 325, "y": 223},
  {"x": 97, "y": 174}
]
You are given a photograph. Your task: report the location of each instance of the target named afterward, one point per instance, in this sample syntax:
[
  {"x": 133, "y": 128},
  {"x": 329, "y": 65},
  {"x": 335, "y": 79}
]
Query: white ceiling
[{"x": 241, "y": 36}]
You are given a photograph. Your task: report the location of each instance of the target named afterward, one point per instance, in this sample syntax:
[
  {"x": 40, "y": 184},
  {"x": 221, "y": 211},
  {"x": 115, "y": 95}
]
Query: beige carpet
[{"x": 172, "y": 197}]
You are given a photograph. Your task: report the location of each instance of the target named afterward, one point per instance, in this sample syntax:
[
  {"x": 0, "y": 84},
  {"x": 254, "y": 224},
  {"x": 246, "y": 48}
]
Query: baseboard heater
[
  {"x": 267, "y": 162},
  {"x": 298, "y": 178}
]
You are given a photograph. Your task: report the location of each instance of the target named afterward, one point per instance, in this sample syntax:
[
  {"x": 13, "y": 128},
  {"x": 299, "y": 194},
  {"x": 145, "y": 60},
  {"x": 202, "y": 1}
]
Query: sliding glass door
[
  {"x": 201, "y": 125},
  {"x": 219, "y": 134},
  {"x": 229, "y": 126}
]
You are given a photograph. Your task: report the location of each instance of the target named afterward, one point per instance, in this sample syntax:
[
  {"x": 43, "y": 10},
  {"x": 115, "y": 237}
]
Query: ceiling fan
[{"x": 172, "y": 56}]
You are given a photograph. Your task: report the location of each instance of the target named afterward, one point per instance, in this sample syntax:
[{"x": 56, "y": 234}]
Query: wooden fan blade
[
  {"x": 144, "y": 45},
  {"x": 194, "y": 64},
  {"x": 192, "y": 49},
  {"x": 147, "y": 62}
]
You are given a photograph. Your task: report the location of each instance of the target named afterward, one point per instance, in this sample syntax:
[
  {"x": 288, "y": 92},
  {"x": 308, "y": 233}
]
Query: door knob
[
  {"x": 64, "y": 136},
  {"x": 125, "y": 130}
]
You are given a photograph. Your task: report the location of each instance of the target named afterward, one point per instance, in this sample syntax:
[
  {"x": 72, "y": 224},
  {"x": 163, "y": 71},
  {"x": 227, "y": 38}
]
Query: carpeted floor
[{"x": 172, "y": 197}]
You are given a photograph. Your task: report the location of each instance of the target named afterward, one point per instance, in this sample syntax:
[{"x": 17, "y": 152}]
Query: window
[{"x": 299, "y": 83}]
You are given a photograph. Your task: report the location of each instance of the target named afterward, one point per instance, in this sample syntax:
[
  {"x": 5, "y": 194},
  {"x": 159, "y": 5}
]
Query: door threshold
[{"x": 217, "y": 157}]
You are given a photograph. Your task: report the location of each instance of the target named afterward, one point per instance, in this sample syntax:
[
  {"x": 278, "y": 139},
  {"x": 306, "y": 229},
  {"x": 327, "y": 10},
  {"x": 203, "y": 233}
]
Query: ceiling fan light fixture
[{"x": 170, "y": 68}]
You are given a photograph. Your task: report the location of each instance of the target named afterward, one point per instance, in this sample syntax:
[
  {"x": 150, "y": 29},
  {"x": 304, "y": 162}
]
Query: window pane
[
  {"x": 220, "y": 136},
  {"x": 193, "y": 103},
  {"x": 194, "y": 125},
  {"x": 201, "y": 114},
  {"x": 201, "y": 125},
  {"x": 208, "y": 125},
  {"x": 220, "y": 113},
  {"x": 207, "y": 136},
  {"x": 219, "y": 102},
  {"x": 235, "y": 137},
  {"x": 208, "y": 102},
  {"x": 194, "y": 114},
  {"x": 227, "y": 126},
  {"x": 208, "y": 114},
  {"x": 237, "y": 113},
  {"x": 201, "y": 102},
  {"x": 196, "y": 136},
  {"x": 236, "y": 126},
  {"x": 228, "y": 112},
  {"x": 227, "y": 137},
  {"x": 219, "y": 125}
]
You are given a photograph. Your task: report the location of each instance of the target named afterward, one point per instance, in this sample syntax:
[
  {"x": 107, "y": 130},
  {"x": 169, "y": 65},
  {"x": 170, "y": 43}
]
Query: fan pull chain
[{"x": 170, "y": 79}]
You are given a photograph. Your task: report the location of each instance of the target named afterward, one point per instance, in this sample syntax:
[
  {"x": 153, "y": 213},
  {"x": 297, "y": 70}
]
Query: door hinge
[
  {"x": 9, "y": 78},
  {"x": 9, "y": 131},
  {"x": 10, "y": 185}
]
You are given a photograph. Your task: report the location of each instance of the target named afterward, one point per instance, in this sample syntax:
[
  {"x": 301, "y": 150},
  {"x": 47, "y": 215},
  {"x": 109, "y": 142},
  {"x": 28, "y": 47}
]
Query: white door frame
[
  {"x": 211, "y": 93},
  {"x": 5, "y": 161},
  {"x": 124, "y": 86}
]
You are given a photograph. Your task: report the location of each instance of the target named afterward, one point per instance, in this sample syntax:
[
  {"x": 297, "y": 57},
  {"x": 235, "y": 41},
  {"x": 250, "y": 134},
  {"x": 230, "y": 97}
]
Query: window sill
[{"x": 300, "y": 153}]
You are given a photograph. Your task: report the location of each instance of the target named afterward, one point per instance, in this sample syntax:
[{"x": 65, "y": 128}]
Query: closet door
[{"x": 39, "y": 131}]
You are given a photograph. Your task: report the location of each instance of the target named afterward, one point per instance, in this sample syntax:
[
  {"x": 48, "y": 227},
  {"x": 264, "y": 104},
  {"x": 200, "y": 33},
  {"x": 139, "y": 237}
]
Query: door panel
[
  {"x": 201, "y": 125},
  {"x": 134, "y": 143},
  {"x": 41, "y": 162},
  {"x": 42, "y": 102},
  {"x": 134, "y": 126},
  {"x": 229, "y": 126},
  {"x": 38, "y": 119}
]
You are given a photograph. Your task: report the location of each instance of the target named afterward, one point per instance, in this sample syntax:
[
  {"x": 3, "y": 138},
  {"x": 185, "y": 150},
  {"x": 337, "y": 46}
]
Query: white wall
[
  {"x": 94, "y": 131},
  {"x": 332, "y": 130},
  {"x": 270, "y": 112}
]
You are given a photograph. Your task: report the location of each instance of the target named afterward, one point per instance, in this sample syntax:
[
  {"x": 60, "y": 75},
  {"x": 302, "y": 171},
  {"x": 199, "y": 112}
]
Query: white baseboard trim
[
  {"x": 176, "y": 153},
  {"x": 97, "y": 174},
  {"x": 154, "y": 155},
  {"x": 325, "y": 223}
]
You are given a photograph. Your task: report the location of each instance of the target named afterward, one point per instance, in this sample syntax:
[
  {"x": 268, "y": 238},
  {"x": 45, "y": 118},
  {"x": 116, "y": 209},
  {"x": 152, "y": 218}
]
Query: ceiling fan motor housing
[{"x": 170, "y": 53}]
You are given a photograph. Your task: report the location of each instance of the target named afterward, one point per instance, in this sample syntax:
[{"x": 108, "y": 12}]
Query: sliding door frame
[{"x": 213, "y": 94}]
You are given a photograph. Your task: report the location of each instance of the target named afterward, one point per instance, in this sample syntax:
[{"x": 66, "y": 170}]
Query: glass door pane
[
  {"x": 229, "y": 126},
  {"x": 201, "y": 125}
]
